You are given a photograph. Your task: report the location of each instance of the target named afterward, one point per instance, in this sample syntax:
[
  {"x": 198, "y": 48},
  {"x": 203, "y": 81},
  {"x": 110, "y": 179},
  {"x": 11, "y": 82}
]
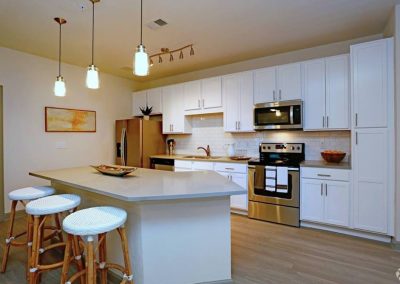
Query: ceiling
[{"x": 222, "y": 31}]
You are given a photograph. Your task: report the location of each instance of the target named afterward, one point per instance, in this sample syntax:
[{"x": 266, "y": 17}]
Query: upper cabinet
[
  {"x": 237, "y": 90},
  {"x": 370, "y": 71},
  {"x": 151, "y": 98},
  {"x": 327, "y": 93},
  {"x": 174, "y": 120},
  {"x": 280, "y": 83},
  {"x": 203, "y": 96}
]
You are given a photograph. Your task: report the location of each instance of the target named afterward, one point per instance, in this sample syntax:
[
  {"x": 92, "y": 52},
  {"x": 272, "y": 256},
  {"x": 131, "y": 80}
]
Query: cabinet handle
[
  {"x": 323, "y": 122},
  {"x": 238, "y": 125},
  {"x": 231, "y": 169},
  {"x": 323, "y": 175},
  {"x": 280, "y": 94},
  {"x": 356, "y": 138},
  {"x": 356, "y": 119},
  {"x": 198, "y": 103},
  {"x": 322, "y": 188},
  {"x": 326, "y": 189},
  {"x": 203, "y": 103},
  {"x": 273, "y": 95},
  {"x": 327, "y": 121}
]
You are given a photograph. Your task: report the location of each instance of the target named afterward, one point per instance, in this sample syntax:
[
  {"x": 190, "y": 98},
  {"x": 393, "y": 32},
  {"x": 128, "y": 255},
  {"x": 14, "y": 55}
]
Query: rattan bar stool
[
  {"x": 88, "y": 223},
  {"x": 39, "y": 210},
  {"x": 23, "y": 196}
]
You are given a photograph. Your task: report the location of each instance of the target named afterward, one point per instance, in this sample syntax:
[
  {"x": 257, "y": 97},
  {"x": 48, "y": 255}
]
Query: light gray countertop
[
  {"x": 323, "y": 164},
  {"x": 184, "y": 157},
  {"x": 145, "y": 184}
]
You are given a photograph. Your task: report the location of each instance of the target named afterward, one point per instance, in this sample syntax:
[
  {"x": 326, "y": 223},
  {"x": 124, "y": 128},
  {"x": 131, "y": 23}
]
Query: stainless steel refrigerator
[{"x": 137, "y": 140}]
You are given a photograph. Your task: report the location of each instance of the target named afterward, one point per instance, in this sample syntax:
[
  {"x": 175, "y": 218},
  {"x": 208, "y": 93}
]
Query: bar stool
[
  {"x": 98, "y": 221},
  {"x": 23, "y": 196},
  {"x": 39, "y": 210}
]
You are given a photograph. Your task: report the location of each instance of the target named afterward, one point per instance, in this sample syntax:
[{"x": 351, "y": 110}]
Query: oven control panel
[{"x": 281, "y": 147}]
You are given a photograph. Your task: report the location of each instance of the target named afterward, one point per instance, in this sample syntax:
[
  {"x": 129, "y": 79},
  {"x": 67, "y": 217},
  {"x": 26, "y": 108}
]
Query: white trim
[{"x": 355, "y": 233}]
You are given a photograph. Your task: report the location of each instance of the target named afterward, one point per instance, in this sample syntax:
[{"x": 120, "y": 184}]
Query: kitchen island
[{"x": 178, "y": 223}]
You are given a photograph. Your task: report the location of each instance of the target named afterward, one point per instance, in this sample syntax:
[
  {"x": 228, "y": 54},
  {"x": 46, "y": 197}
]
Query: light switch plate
[{"x": 61, "y": 145}]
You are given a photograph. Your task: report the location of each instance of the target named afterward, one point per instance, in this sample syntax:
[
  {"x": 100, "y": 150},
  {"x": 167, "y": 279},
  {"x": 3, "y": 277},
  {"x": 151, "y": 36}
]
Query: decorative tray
[
  {"x": 240, "y": 158},
  {"x": 118, "y": 171}
]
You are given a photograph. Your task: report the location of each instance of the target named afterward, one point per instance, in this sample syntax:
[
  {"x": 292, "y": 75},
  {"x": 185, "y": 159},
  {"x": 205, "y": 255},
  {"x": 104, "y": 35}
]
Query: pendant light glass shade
[
  {"x": 141, "y": 61},
  {"x": 92, "y": 77},
  {"x": 59, "y": 87}
]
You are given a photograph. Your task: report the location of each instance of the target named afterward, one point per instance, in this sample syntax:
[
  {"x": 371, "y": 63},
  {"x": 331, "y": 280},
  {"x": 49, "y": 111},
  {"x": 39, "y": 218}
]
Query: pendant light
[
  {"x": 141, "y": 61},
  {"x": 92, "y": 76},
  {"x": 59, "y": 85}
]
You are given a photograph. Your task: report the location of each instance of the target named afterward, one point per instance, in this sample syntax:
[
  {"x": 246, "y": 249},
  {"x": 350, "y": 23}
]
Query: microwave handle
[{"x": 291, "y": 115}]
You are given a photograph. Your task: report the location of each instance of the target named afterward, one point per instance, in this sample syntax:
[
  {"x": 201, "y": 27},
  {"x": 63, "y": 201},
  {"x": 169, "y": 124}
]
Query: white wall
[{"x": 27, "y": 88}]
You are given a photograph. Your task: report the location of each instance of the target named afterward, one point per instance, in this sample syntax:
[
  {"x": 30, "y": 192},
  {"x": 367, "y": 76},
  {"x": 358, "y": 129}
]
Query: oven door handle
[{"x": 291, "y": 115}]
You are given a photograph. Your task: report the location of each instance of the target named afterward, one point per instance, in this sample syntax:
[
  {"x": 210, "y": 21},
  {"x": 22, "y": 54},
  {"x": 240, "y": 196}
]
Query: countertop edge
[
  {"x": 323, "y": 164},
  {"x": 182, "y": 157}
]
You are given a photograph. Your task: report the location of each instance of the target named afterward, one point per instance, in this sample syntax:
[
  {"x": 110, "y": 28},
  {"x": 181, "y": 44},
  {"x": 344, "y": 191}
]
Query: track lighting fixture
[{"x": 165, "y": 51}]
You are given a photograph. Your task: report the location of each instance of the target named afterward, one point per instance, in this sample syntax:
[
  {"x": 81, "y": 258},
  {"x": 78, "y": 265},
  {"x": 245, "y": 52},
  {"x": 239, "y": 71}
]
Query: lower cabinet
[
  {"x": 325, "y": 201},
  {"x": 234, "y": 172}
]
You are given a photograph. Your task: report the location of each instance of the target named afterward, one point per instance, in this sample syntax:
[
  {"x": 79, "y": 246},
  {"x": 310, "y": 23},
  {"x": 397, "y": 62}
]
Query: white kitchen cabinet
[
  {"x": 278, "y": 83},
  {"x": 151, "y": 97},
  {"x": 203, "y": 166},
  {"x": 237, "y": 92},
  {"x": 370, "y": 82},
  {"x": 325, "y": 200},
  {"x": 174, "y": 119},
  {"x": 203, "y": 96},
  {"x": 326, "y": 93},
  {"x": 371, "y": 187}
]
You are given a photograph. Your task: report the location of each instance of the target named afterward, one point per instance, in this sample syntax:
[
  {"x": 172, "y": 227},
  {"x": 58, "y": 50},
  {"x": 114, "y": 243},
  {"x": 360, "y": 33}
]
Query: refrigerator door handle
[{"x": 123, "y": 138}]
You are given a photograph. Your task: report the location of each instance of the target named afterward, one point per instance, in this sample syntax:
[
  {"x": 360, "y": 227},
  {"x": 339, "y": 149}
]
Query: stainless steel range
[{"x": 274, "y": 183}]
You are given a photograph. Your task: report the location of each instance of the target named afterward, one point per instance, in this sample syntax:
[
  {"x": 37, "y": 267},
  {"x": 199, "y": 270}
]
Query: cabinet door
[
  {"x": 231, "y": 96},
  {"x": 154, "y": 100},
  {"x": 239, "y": 201},
  {"x": 211, "y": 93},
  {"x": 370, "y": 83},
  {"x": 312, "y": 200},
  {"x": 173, "y": 116},
  {"x": 289, "y": 82},
  {"x": 264, "y": 85},
  {"x": 192, "y": 95},
  {"x": 245, "y": 123},
  {"x": 138, "y": 101},
  {"x": 314, "y": 94},
  {"x": 337, "y": 92},
  {"x": 370, "y": 168},
  {"x": 337, "y": 203}
]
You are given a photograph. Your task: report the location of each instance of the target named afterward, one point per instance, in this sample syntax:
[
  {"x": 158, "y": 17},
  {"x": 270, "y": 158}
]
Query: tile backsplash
[{"x": 209, "y": 130}]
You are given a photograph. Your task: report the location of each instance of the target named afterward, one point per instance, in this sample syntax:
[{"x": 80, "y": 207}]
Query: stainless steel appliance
[
  {"x": 278, "y": 115},
  {"x": 162, "y": 164},
  {"x": 274, "y": 183},
  {"x": 137, "y": 140}
]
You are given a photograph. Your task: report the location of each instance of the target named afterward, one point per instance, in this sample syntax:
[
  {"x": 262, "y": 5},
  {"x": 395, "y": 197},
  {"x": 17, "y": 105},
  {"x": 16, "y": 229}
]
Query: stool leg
[
  {"x": 35, "y": 250},
  {"x": 125, "y": 250},
  {"x": 9, "y": 235},
  {"x": 77, "y": 253},
  {"x": 29, "y": 243},
  {"x": 58, "y": 226},
  {"x": 67, "y": 253},
  {"x": 103, "y": 257},
  {"x": 90, "y": 266}
]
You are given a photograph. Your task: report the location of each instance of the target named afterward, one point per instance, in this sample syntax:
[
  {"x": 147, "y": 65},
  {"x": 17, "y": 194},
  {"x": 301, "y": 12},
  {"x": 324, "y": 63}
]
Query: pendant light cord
[
  {"x": 93, "y": 34},
  {"x": 59, "y": 54},
  {"x": 141, "y": 22}
]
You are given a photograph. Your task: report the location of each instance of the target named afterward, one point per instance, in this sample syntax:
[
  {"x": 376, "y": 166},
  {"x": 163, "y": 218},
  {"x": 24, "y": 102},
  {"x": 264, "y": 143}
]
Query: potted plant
[{"x": 146, "y": 111}]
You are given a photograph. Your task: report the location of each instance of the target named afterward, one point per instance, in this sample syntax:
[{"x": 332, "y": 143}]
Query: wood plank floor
[{"x": 270, "y": 253}]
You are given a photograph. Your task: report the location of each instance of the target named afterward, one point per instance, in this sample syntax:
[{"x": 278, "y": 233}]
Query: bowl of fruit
[{"x": 333, "y": 156}]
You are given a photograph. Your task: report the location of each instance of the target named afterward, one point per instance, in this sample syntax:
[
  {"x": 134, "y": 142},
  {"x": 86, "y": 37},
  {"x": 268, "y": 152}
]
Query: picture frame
[{"x": 69, "y": 120}]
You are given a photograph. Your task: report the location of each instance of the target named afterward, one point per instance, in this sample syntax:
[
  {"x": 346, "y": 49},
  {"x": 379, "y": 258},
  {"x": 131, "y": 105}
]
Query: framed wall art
[{"x": 69, "y": 120}]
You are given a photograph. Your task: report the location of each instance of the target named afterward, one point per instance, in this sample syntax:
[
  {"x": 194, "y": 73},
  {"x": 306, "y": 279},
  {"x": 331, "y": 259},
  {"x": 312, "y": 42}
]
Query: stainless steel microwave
[{"x": 278, "y": 115}]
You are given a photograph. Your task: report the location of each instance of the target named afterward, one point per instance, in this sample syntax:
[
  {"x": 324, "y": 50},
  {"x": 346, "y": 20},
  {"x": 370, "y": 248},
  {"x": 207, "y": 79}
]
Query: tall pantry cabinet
[{"x": 372, "y": 95}]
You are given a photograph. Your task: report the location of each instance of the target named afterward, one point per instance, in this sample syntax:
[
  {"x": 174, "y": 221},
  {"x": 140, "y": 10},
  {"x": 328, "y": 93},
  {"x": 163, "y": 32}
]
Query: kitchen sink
[{"x": 201, "y": 157}]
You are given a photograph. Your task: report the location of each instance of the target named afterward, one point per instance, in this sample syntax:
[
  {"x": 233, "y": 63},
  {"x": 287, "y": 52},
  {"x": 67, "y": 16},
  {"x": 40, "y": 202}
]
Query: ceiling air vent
[{"x": 154, "y": 25}]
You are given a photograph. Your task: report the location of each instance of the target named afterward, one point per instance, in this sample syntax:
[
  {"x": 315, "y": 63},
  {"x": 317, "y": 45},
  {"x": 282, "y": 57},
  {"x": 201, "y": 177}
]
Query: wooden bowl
[{"x": 332, "y": 156}]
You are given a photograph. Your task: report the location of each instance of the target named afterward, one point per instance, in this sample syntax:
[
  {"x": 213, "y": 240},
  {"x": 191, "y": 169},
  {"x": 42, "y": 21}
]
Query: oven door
[
  {"x": 292, "y": 198},
  {"x": 278, "y": 115}
]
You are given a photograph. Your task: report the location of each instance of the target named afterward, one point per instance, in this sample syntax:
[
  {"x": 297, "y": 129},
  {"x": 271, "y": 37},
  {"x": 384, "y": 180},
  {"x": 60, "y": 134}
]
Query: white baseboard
[{"x": 355, "y": 233}]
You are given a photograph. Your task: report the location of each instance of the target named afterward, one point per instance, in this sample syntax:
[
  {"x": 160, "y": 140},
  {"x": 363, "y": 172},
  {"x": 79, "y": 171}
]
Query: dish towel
[
  {"x": 270, "y": 179},
  {"x": 282, "y": 179}
]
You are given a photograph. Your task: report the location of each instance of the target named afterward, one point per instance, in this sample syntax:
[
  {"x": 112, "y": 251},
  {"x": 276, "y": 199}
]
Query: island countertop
[{"x": 145, "y": 184}]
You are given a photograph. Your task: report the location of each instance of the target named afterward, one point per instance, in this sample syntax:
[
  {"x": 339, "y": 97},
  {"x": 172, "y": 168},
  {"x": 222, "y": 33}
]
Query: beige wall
[
  {"x": 27, "y": 88},
  {"x": 289, "y": 57},
  {"x": 1, "y": 156}
]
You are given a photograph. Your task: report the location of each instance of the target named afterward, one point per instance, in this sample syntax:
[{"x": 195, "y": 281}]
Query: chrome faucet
[{"x": 207, "y": 150}]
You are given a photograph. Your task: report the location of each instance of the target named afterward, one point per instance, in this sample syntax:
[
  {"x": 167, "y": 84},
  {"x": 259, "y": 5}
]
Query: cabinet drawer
[
  {"x": 183, "y": 164},
  {"x": 325, "y": 173},
  {"x": 209, "y": 166},
  {"x": 231, "y": 167}
]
